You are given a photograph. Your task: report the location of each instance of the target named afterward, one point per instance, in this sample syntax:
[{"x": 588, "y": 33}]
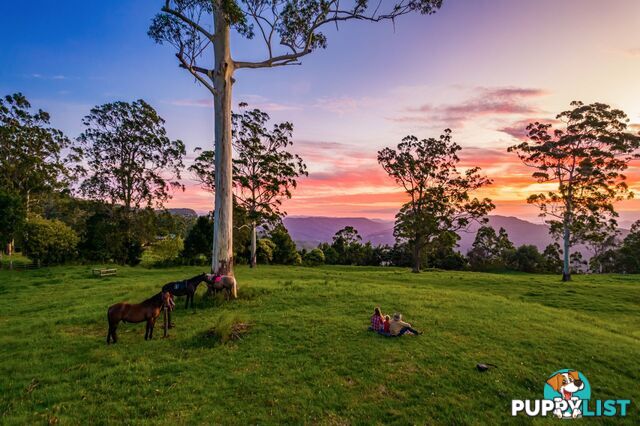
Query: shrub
[
  {"x": 48, "y": 241},
  {"x": 527, "y": 258},
  {"x": 314, "y": 258},
  {"x": 167, "y": 249},
  {"x": 199, "y": 239},
  {"x": 264, "y": 250},
  {"x": 228, "y": 327},
  {"x": 285, "y": 252}
]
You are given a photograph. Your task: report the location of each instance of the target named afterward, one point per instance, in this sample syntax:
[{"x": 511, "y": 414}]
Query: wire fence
[{"x": 18, "y": 266}]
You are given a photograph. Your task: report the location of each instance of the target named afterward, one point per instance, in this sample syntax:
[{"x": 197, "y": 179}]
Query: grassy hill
[{"x": 307, "y": 357}]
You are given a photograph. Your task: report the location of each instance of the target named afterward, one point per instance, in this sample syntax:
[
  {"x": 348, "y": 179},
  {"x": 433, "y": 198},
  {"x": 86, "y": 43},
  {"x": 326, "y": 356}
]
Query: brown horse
[
  {"x": 148, "y": 311},
  {"x": 222, "y": 282}
]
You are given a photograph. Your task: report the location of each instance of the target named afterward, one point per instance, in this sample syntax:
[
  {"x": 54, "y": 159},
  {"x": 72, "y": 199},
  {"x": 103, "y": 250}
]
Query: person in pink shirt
[{"x": 377, "y": 320}]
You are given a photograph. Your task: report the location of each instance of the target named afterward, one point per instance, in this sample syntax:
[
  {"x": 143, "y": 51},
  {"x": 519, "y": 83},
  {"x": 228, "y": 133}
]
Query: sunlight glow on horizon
[{"x": 484, "y": 69}]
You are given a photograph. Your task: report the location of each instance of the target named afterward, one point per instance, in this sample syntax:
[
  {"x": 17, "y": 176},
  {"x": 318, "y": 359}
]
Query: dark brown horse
[
  {"x": 148, "y": 311},
  {"x": 185, "y": 288}
]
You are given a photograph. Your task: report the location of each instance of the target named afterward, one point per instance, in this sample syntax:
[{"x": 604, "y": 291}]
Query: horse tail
[{"x": 234, "y": 289}]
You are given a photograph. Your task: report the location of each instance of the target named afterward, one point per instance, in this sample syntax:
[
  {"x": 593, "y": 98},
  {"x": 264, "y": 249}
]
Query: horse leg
[
  {"x": 150, "y": 325},
  {"x": 111, "y": 333},
  {"x": 146, "y": 331}
]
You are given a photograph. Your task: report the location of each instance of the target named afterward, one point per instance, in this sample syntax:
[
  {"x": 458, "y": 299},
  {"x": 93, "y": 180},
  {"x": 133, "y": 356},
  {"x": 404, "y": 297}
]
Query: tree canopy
[
  {"x": 264, "y": 170},
  {"x": 130, "y": 160},
  {"x": 34, "y": 157},
  {"x": 586, "y": 158},
  {"x": 440, "y": 199},
  {"x": 200, "y": 33}
]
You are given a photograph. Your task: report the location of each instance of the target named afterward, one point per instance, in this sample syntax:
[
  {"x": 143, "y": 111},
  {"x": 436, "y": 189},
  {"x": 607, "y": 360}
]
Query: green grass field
[{"x": 307, "y": 357}]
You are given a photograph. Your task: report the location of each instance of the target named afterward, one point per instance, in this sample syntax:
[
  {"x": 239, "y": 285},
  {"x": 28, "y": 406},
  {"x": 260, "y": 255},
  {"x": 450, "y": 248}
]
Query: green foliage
[
  {"x": 167, "y": 223},
  {"x": 527, "y": 258},
  {"x": 264, "y": 171},
  {"x": 264, "y": 250},
  {"x": 330, "y": 254},
  {"x": 491, "y": 251},
  {"x": 129, "y": 155},
  {"x": 621, "y": 257},
  {"x": 32, "y": 160},
  {"x": 552, "y": 257},
  {"x": 167, "y": 249},
  {"x": 105, "y": 238},
  {"x": 586, "y": 159},
  {"x": 199, "y": 239},
  {"x": 12, "y": 216},
  {"x": 348, "y": 247},
  {"x": 228, "y": 327},
  {"x": 440, "y": 200},
  {"x": 49, "y": 242},
  {"x": 441, "y": 253},
  {"x": 627, "y": 258},
  {"x": 314, "y": 257},
  {"x": 285, "y": 252},
  {"x": 298, "y": 25}
]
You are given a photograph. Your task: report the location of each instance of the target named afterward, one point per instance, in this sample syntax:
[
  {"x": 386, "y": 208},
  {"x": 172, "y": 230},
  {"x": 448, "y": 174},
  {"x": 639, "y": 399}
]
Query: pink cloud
[
  {"x": 484, "y": 102},
  {"x": 633, "y": 52},
  {"x": 518, "y": 129}
]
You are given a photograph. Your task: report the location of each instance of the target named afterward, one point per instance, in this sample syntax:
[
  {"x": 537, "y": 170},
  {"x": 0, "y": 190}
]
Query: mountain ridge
[{"x": 309, "y": 231}]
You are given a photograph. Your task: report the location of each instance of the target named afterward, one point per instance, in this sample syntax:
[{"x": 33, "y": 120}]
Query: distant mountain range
[
  {"x": 183, "y": 212},
  {"x": 308, "y": 232}
]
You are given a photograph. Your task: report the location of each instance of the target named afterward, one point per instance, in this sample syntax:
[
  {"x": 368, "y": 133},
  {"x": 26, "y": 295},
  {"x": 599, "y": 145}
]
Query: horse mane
[
  {"x": 154, "y": 298},
  {"x": 201, "y": 276}
]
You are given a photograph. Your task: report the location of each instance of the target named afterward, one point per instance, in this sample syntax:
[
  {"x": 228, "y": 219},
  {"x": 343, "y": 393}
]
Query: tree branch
[
  {"x": 194, "y": 70},
  {"x": 188, "y": 21}
]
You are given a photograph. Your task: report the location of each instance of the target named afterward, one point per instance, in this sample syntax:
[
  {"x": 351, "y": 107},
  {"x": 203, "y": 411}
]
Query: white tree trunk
[
  {"x": 222, "y": 254},
  {"x": 254, "y": 245},
  {"x": 566, "y": 239}
]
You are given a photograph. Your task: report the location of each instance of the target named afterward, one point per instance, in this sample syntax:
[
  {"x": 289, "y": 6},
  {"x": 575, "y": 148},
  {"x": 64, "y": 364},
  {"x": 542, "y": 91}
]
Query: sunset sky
[{"x": 481, "y": 68}]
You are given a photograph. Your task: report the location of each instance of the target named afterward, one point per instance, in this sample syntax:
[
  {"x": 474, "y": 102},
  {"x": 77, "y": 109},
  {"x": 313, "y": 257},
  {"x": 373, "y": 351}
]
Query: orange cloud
[{"x": 351, "y": 183}]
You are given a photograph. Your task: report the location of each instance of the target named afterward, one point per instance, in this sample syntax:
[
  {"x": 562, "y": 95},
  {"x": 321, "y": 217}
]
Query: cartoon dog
[{"x": 566, "y": 384}]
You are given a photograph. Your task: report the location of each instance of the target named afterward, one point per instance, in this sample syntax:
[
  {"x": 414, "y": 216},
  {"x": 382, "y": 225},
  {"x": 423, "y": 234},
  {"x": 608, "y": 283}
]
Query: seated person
[
  {"x": 397, "y": 327},
  {"x": 377, "y": 320}
]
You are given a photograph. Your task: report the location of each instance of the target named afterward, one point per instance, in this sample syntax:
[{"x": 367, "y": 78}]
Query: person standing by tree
[
  {"x": 264, "y": 171},
  {"x": 200, "y": 31},
  {"x": 586, "y": 159},
  {"x": 440, "y": 200},
  {"x": 129, "y": 158}
]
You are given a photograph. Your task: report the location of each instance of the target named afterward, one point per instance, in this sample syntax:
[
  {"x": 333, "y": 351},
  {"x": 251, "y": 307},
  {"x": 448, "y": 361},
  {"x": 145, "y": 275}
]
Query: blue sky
[{"x": 371, "y": 87}]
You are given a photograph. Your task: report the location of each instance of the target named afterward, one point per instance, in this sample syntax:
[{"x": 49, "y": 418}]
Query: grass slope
[{"x": 307, "y": 357}]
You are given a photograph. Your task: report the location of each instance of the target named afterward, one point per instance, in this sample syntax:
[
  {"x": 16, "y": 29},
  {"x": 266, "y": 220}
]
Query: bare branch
[
  {"x": 188, "y": 21},
  {"x": 194, "y": 70}
]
